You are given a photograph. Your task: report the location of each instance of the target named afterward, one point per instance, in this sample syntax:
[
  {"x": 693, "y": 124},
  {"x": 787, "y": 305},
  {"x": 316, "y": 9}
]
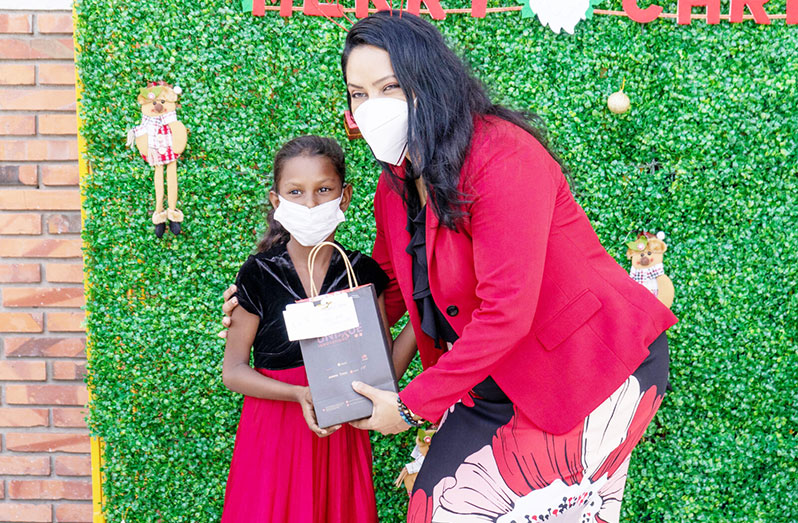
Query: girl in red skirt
[{"x": 285, "y": 467}]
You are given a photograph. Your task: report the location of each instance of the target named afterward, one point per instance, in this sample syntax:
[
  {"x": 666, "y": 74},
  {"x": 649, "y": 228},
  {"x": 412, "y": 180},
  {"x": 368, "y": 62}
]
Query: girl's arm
[
  {"x": 239, "y": 377},
  {"x": 404, "y": 348}
]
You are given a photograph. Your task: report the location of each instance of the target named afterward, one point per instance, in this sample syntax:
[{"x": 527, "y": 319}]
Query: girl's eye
[
  {"x": 391, "y": 86},
  {"x": 357, "y": 95},
  {"x": 325, "y": 189},
  {"x": 293, "y": 192}
]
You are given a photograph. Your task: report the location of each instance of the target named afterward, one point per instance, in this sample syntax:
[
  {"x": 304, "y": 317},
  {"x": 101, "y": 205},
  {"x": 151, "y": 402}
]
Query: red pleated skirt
[{"x": 281, "y": 471}]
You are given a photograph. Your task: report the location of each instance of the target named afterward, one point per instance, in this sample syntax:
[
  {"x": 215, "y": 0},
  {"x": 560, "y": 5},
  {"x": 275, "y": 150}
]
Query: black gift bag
[{"x": 343, "y": 339}]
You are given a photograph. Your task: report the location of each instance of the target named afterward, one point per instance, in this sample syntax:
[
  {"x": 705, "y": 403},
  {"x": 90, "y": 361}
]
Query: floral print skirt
[{"x": 489, "y": 463}]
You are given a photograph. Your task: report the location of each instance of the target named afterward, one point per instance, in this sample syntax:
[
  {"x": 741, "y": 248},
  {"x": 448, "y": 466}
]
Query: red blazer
[{"x": 537, "y": 302}]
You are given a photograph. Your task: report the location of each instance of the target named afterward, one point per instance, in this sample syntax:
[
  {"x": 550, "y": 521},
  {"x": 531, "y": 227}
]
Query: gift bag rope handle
[{"x": 350, "y": 272}]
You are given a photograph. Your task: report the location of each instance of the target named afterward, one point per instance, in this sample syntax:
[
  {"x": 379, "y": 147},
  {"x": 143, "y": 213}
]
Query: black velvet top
[{"x": 267, "y": 282}]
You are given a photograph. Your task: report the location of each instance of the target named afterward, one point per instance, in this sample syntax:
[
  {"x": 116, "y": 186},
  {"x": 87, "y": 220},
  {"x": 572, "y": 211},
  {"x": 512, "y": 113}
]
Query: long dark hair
[
  {"x": 440, "y": 126},
  {"x": 310, "y": 146}
]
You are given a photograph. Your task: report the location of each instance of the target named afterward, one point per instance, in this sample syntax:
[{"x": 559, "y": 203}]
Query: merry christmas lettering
[
  {"x": 684, "y": 11},
  {"x": 631, "y": 9}
]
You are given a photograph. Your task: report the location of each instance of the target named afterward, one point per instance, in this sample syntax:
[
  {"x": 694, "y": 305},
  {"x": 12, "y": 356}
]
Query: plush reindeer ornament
[
  {"x": 646, "y": 254},
  {"x": 410, "y": 471},
  {"x": 161, "y": 139}
]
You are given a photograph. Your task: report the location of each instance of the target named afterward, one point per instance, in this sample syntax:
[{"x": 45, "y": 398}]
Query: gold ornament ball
[{"x": 618, "y": 102}]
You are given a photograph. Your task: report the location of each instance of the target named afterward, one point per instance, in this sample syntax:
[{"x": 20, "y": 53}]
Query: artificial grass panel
[{"x": 715, "y": 106}]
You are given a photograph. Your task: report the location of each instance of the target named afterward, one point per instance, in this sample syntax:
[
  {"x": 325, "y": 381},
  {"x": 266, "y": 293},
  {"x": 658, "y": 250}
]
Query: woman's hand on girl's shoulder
[
  {"x": 305, "y": 401},
  {"x": 230, "y": 303}
]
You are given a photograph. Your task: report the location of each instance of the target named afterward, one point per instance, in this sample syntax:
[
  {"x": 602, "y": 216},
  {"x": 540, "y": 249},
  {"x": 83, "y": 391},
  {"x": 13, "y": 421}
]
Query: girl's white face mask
[
  {"x": 309, "y": 226},
  {"x": 383, "y": 124}
]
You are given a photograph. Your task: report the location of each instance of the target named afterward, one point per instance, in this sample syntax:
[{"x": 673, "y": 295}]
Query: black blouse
[
  {"x": 268, "y": 281},
  {"x": 433, "y": 322}
]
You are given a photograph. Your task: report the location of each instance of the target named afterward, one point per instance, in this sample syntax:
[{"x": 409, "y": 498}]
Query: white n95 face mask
[
  {"x": 383, "y": 124},
  {"x": 309, "y": 225}
]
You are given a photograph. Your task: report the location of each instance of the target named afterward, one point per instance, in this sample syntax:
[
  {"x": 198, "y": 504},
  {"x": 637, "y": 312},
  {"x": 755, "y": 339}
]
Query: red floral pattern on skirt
[{"x": 527, "y": 475}]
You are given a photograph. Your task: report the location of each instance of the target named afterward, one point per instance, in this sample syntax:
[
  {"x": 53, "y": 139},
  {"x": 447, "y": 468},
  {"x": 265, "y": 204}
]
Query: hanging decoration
[
  {"x": 160, "y": 140},
  {"x": 408, "y": 474},
  {"x": 352, "y": 130},
  {"x": 618, "y": 102},
  {"x": 646, "y": 252}
]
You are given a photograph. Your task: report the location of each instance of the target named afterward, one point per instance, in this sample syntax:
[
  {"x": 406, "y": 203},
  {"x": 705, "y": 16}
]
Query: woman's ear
[
  {"x": 346, "y": 197},
  {"x": 274, "y": 199}
]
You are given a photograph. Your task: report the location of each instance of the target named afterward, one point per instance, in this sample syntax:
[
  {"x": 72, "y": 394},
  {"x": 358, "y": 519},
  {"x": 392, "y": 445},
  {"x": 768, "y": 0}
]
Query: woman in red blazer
[{"x": 543, "y": 361}]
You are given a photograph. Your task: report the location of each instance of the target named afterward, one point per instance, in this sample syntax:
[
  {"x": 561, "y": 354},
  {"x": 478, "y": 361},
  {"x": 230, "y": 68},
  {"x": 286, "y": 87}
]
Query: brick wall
[{"x": 44, "y": 459}]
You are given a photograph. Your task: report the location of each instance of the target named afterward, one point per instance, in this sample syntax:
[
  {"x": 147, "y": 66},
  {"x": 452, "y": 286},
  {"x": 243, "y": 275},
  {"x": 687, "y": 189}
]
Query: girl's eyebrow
[
  {"x": 350, "y": 84},
  {"x": 323, "y": 181}
]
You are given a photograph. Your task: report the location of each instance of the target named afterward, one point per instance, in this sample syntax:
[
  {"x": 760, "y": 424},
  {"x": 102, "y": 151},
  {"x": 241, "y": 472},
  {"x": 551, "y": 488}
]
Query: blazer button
[{"x": 452, "y": 310}]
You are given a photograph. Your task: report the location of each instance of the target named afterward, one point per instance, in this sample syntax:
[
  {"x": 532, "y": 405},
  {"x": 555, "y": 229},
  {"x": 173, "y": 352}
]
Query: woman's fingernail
[
  {"x": 234, "y": 300},
  {"x": 356, "y": 385}
]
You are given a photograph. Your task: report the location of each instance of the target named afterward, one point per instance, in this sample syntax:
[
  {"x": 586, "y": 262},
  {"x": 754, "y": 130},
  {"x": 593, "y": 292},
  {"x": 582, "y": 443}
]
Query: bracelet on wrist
[{"x": 407, "y": 415}]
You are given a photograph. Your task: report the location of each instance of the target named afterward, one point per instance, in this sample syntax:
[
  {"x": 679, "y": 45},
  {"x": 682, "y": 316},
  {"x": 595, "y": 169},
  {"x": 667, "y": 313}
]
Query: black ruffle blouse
[
  {"x": 433, "y": 322},
  {"x": 268, "y": 281}
]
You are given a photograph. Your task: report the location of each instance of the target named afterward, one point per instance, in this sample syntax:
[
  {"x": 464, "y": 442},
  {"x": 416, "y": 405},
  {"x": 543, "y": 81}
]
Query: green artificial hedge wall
[{"x": 715, "y": 106}]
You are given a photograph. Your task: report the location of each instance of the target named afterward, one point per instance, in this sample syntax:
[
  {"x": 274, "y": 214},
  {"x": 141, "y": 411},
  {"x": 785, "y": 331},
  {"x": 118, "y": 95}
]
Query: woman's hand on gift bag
[
  {"x": 385, "y": 417},
  {"x": 230, "y": 303},
  {"x": 306, "y": 402}
]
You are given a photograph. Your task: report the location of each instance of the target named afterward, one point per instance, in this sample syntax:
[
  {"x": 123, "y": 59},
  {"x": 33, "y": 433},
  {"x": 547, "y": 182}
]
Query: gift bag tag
[{"x": 319, "y": 317}]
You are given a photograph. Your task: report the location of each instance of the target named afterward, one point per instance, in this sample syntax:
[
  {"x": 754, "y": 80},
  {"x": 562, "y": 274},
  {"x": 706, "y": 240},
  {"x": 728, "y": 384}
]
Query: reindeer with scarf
[
  {"x": 161, "y": 139},
  {"x": 646, "y": 254}
]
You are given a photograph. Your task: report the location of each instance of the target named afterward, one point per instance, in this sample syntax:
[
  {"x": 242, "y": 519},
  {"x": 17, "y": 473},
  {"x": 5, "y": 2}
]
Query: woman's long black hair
[
  {"x": 309, "y": 146},
  {"x": 448, "y": 96}
]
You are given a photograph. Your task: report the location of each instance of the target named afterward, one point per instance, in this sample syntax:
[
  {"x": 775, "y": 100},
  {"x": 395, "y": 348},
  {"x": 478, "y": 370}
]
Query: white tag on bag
[{"x": 321, "y": 316}]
